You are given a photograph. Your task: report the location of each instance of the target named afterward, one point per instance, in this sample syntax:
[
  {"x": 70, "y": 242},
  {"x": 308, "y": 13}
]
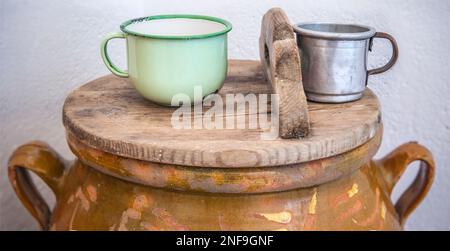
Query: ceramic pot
[
  {"x": 103, "y": 191},
  {"x": 171, "y": 55}
]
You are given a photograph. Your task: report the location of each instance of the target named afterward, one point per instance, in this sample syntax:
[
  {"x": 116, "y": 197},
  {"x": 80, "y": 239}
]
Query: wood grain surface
[
  {"x": 281, "y": 62},
  {"x": 108, "y": 114}
]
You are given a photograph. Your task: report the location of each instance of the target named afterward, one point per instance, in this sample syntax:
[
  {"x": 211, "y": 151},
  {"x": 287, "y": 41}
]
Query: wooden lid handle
[{"x": 281, "y": 62}]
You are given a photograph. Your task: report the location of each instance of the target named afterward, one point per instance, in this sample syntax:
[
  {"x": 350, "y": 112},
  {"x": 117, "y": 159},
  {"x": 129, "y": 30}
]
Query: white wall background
[{"x": 49, "y": 47}]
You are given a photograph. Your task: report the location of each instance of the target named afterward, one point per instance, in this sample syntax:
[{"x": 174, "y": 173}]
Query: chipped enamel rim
[{"x": 227, "y": 24}]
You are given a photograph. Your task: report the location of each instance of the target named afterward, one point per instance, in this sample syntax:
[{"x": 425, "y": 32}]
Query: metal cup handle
[{"x": 394, "y": 53}]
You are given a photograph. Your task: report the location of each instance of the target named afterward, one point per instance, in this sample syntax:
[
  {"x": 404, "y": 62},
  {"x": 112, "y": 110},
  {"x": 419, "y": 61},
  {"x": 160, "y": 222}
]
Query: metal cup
[{"x": 334, "y": 60}]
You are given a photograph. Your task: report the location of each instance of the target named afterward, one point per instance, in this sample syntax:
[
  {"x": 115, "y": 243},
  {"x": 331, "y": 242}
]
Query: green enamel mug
[{"x": 169, "y": 55}]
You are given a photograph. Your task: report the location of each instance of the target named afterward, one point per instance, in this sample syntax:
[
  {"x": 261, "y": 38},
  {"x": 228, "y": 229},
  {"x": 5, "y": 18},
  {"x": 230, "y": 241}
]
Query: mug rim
[
  {"x": 370, "y": 32},
  {"x": 228, "y": 26}
]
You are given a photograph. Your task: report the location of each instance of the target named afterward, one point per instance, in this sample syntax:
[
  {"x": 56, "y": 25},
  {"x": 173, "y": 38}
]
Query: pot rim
[
  {"x": 227, "y": 180},
  {"x": 302, "y": 29}
]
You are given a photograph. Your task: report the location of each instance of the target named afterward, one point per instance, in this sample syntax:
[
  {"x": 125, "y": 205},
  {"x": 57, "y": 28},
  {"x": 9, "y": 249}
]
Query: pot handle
[
  {"x": 394, "y": 53},
  {"x": 41, "y": 159},
  {"x": 394, "y": 165}
]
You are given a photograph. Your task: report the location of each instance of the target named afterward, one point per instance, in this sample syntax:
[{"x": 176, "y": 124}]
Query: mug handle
[
  {"x": 394, "y": 165},
  {"x": 394, "y": 53},
  {"x": 41, "y": 159},
  {"x": 104, "y": 52}
]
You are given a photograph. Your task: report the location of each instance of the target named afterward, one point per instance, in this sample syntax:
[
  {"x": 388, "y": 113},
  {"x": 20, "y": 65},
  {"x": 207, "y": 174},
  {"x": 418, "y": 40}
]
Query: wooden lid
[{"x": 109, "y": 115}]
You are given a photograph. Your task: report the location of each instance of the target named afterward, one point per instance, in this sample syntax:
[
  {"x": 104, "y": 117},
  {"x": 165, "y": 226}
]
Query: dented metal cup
[{"x": 334, "y": 60}]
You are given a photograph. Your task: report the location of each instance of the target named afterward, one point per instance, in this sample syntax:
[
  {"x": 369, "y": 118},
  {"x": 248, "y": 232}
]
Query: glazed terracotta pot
[
  {"x": 136, "y": 171},
  {"x": 102, "y": 191}
]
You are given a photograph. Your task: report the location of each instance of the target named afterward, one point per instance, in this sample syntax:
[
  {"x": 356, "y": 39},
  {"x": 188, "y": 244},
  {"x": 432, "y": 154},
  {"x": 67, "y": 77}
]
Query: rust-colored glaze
[
  {"x": 102, "y": 191},
  {"x": 45, "y": 162},
  {"x": 227, "y": 180},
  {"x": 392, "y": 167}
]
